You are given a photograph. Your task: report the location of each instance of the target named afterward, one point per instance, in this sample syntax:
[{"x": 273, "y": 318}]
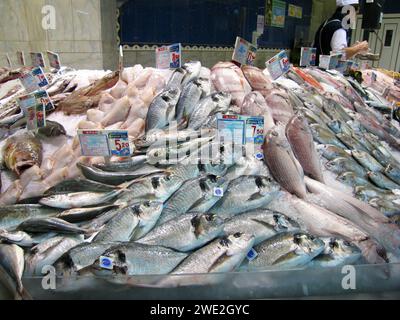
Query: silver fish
[
  {"x": 176, "y": 78},
  {"x": 190, "y": 97},
  {"x": 331, "y": 152},
  {"x": 185, "y": 233},
  {"x": 23, "y": 239},
  {"x": 244, "y": 194},
  {"x": 162, "y": 109},
  {"x": 190, "y": 195},
  {"x": 366, "y": 160},
  {"x": 83, "y": 214},
  {"x": 341, "y": 165},
  {"x": 12, "y": 269},
  {"x": 128, "y": 164},
  {"x": 262, "y": 223},
  {"x": 193, "y": 69},
  {"x": 380, "y": 180},
  {"x": 120, "y": 228},
  {"x": 44, "y": 225},
  {"x": 337, "y": 252},
  {"x": 214, "y": 103},
  {"x": 285, "y": 251},
  {"x": 148, "y": 213}
]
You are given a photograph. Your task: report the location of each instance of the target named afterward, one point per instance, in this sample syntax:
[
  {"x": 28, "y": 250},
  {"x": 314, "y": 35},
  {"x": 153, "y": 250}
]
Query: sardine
[
  {"x": 341, "y": 165},
  {"x": 44, "y": 225},
  {"x": 83, "y": 214},
  {"x": 382, "y": 181},
  {"x": 148, "y": 213},
  {"x": 128, "y": 164},
  {"x": 325, "y": 136},
  {"x": 78, "y": 185},
  {"x": 366, "y": 160},
  {"x": 331, "y": 152},
  {"x": 190, "y": 97}
]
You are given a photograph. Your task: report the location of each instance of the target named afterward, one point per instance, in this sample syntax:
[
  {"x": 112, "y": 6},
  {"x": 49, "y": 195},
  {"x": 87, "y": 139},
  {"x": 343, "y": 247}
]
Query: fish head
[
  {"x": 266, "y": 184},
  {"x": 157, "y": 154},
  {"x": 65, "y": 266},
  {"x": 284, "y": 223},
  {"x": 222, "y": 98},
  {"x": 147, "y": 139},
  {"x": 209, "y": 182},
  {"x": 307, "y": 243},
  {"x": 347, "y": 177},
  {"x": 238, "y": 243},
  {"x": 148, "y": 210},
  {"x": 340, "y": 247},
  {"x": 334, "y": 164},
  {"x": 205, "y": 224}
]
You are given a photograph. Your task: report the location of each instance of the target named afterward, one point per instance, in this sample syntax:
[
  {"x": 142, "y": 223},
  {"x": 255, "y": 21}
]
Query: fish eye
[
  {"x": 210, "y": 217},
  {"x": 147, "y": 203},
  {"x": 238, "y": 234},
  {"x": 346, "y": 243}
]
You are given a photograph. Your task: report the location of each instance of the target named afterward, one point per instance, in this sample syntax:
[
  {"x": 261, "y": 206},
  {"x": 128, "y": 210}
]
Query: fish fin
[
  {"x": 255, "y": 196},
  {"x": 218, "y": 262},
  {"x": 265, "y": 224},
  {"x": 286, "y": 256}
]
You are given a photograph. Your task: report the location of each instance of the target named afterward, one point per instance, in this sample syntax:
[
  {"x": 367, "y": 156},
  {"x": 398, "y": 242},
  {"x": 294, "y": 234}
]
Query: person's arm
[{"x": 339, "y": 43}]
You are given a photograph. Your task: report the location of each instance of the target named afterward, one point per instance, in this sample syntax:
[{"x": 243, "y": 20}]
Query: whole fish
[
  {"x": 338, "y": 126},
  {"x": 337, "y": 252},
  {"x": 367, "y": 161},
  {"x": 364, "y": 140},
  {"x": 78, "y": 185},
  {"x": 148, "y": 213},
  {"x": 120, "y": 228},
  {"x": 301, "y": 141},
  {"x": 128, "y": 164},
  {"x": 285, "y": 251},
  {"x": 133, "y": 258},
  {"x": 380, "y": 180},
  {"x": 325, "y": 136},
  {"x": 244, "y": 194},
  {"x": 195, "y": 192},
  {"x": 284, "y": 167},
  {"x": 383, "y": 158},
  {"x": 83, "y": 214},
  {"x": 12, "y": 269},
  {"x": 214, "y": 103},
  {"x": 162, "y": 109},
  {"x": 262, "y": 223},
  {"x": 79, "y": 199},
  {"x": 393, "y": 172},
  {"x": 43, "y": 225},
  {"x": 351, "y": 179},
  {"x": 185, "y": 233},
  {"x": 115, "y": 178},
  {"x": 47, "y": 253},
  {"x": 331, "y": 152},
  {"x": 364, "y": 193},
  {"x": 79, "y": 257},
  {"x": 387, "y": 207},
  {"x": 221, "y": 255},
  {"x": 190, "y": 97},
  {"x": 160, "y": 186},
  {"x": 193, "y": 69},
  {"x": 350, "y": 142},
  {"x": 254, "y": 104},
  {"x": 12, "y": 216},
  {"x": 341, "y": 165},
  {"x": 23, "y": 239},
  {"x": 22, "y": 152},
  {"x": 257, "y": 79},
  {"x": 176, "y": 78}
]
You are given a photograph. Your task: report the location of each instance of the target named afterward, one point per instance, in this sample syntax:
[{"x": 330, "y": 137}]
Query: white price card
[
  {"x": 331, "y": 62},
  {"x": 34, "y": 80},
  {"x": 35, "y": 117},
  {"x": 245, "y": 52},
  {"x": 21, "y": 58},
  {"x": 54, "y": 60},
  {"x": 308, "y": 57},
  {"x": 278, "y": 65},
  {"x": 37, "y": 59},
  {"x": 169, "y": 57},
  {"x": 104, "y": 143}
]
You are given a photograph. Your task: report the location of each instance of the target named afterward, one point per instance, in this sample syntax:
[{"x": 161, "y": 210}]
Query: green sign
[{"x": 275, "y": 13}]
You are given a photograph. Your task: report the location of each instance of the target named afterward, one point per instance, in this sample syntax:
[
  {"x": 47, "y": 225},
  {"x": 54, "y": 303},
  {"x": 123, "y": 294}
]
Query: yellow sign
[{"x": 295, "y": 11}]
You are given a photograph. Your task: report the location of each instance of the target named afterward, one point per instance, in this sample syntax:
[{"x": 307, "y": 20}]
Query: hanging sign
[
  {"x": 169, "y": 57},
  {"x": 275, "y": 13},
  {"x": 245, "y": 52},
  {"x": 278, "y": 65}
]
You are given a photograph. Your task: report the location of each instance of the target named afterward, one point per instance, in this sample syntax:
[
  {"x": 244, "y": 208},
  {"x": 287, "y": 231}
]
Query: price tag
[
  {"x": 106, "y": 263},
  {"x": 218, "y": 192},
  {"x": 119, "y": 143},
  {"x": 245, "y": 52},
  {"x": 54, "y": 60},
  {"x": 8, "y": 60},
  {"x": 34, "y": 80},
  {"x": 278, "y": 65},
  {"x": 104, "y": 143},
  {"x": 308, "y": 57},
  {"x": 35, "y": 117},
  {"x": 169, "y": 57},
  {"x": 330, "y": 62},
  {"x": 37, "y": 59},
  {"x": 251, "y": 255},
  {"x": 21, "y": 58}
]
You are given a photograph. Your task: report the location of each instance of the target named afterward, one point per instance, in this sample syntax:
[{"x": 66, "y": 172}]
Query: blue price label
[
  {"x": 252, "y": 254},
  {"x": 218, "y": 192},
  {"x": 106, "y": 263}
]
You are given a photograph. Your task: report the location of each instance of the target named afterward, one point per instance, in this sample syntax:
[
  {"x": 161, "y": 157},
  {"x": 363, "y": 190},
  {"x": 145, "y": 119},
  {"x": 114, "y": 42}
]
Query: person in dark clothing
[{"x": 332, "y": 36}]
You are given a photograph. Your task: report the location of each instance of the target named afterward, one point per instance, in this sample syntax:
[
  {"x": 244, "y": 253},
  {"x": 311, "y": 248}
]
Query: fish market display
[{"x": 322, "y": 190}]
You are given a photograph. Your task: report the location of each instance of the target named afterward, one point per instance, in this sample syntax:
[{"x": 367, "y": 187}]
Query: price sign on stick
[
  {"x": 278, "y": 65},
  {"x": 245, "y": 52},
  {"x": 169, "y": 57},
  {"x": 308, "y": 57},
  {"x": 34, "y": 80},
  {"x": 21, "y": 58},
  {"x": 54, "y": 60},
  {"x": 104, "y": 143},
  {"x": 37, "y": 59}
]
